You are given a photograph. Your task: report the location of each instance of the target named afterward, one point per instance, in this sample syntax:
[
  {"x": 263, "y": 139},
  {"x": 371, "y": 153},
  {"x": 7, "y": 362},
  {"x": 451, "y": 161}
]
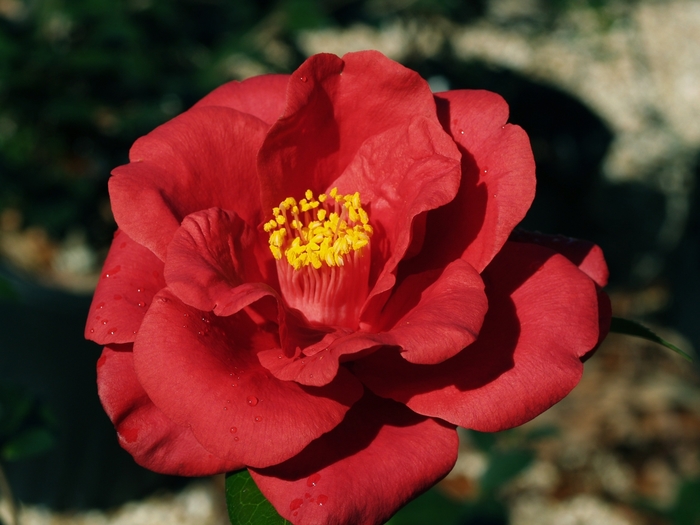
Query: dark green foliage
[
  {"x": 246, "y": 504},
  {"x": 24, "y": 425}
]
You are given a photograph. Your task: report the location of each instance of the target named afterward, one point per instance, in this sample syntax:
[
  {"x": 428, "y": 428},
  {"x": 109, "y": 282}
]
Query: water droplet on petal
[
  {"x": 461, "y": 132},
  {"x": 303, "y": 78},
  {"x": 92, "y": 330},
  {"x": 141, "y": 304},
  {"x": 236, "y": 438},
  {"x": 321, "y": 499},
  {"x": 99, "y": 306},
  {"x": 313, "y": 479},
  {"x": 258, "y": 419},
  {"x": 233, "y": 430},
  {"x": 225, "y": 408},
  {"x": 111, "y": 332},
  {"x": 296, "y": 503},
  {"x": 104, "y": 321},
  {"x": 139, "y": 290},
  {"x": 185, "y": 314},
  {"x": 252, "y": 400}
]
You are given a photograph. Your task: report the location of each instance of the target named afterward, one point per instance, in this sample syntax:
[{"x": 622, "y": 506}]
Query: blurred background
[{"x": 609, "y": 93}]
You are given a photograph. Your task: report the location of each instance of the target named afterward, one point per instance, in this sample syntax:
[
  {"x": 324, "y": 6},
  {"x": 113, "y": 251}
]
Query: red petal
[
  {"x": 543, "y": 318},
  {"x": 213, "y": 262},
  {"x": 333, "y": 106},
  {"x": 379, "y": 458},
  {"x": 399, "y": 173},
  {"x": 587, "y": 256},
  {"x": 431, "y": 317},
  {"x": 263, "y": 96},
  {"x": 202, "y": 372},
  {"x": 201, "y": 159},
  {"x": 152, "y": 439},
  {"x": 130, "y": 278},
  {"x": 498, "y": 181}
]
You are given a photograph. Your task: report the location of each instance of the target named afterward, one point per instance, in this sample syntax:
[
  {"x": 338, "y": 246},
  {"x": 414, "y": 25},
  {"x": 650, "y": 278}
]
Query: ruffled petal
[
  {"x": 543, "y": 318},
  {"x": 204, "y": 158},
  {"x": 263, "y": 96},
  {"x": 380, "y": 457},
  {"x": 400, "y": 174},
  {"x": 431, "y": 317},
  {"x": 154, "y": 441},
  {"x": 587, "y": 256},
  {"x": 498, "y": 181},
  {"x": 130, "y": 278},
  {"x": 333, "y": 106},
  {"x": 201, "y": 370},
  {"x": 214, "y": 262}
]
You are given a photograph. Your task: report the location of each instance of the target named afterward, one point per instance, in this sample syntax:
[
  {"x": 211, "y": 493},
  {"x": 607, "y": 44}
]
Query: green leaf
[
  {"x": 627, "y": 327},
  {"x": 503, "y": 466},
  {"x": 7, "y": 291},
  {"x": 246, "y": 504},
  {"x": 28, "y": 443}
]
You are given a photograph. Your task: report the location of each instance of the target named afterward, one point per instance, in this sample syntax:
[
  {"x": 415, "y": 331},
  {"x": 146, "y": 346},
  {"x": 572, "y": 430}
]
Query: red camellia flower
[{"x": 316, "y": 277}]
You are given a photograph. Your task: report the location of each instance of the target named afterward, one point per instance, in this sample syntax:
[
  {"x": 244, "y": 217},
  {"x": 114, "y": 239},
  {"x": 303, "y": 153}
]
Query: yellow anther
[{"x": 325, "y": 239}]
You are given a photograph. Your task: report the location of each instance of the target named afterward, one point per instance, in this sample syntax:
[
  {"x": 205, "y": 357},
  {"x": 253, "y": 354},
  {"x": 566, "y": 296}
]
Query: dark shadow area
[{"x": 44, "y": 352}]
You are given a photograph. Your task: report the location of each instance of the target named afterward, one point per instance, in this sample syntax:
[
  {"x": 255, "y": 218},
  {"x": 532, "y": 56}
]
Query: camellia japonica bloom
[{"x": 316, "y": 277}]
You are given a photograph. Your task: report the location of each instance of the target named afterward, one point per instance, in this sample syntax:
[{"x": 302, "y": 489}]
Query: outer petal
[
  {"x": 333, "y": 106},
  {"x": 145, "y": 432},
  {"x": 543, "y": 318},
  {"x": 212, "y": 262},
  {"x": 400, "y": 174},
  {"x": 202, "y": 372},
  {"x": 379, "y": 458},
  {"x": 498, "y": 181},
  {"x": 584, "y": 254},
  {"x": 131, "y": 277},
  {"x": 201, "y": 159},
  {"x": 263, "y": 96},
  {"x": 432, "y": 317}
]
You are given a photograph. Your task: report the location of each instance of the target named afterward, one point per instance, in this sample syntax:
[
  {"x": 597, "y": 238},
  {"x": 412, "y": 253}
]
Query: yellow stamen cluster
[{"x": 319, "y": 230}]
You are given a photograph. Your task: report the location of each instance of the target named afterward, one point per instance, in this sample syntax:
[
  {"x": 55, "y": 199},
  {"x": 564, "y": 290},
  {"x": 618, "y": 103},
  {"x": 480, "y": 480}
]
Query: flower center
[{"x": 320, "y": 244}]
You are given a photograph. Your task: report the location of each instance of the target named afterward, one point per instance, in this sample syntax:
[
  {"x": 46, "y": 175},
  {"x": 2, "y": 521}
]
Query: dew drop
[
  {"x": 98, "y": 317},
  {"x": 295, "y": 514},
  {"x": 111, "y": 332},
  {"x": 321, "y": 499},
  {"x": 258, "y": 419},
  {"x": 135, "y": 332},
  {"x": 234, "y": 385},
  {"x": 228, "y": 401},
  {"x": 92, "y": 330},
  {"x": 236, "y": 438},
  {"x": 252, "y": 400},
  {"x": 461, "y": 132},
  {"x": 279, "y": 356},
  {"x": 225, "y": 408},
  {"x": 141, "y": 304},
  {"x": 185, "y": 314},
  {"x": 99, "y": 306},
  {"x": 139, "y": 290},
  {"x": 295, "y": 504},
  {"x": 303, "y": 78},
  {"x": 104, "y": 321},
  {"x": 313, "y": 479},
  {"x": 233, "y": 430}
]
